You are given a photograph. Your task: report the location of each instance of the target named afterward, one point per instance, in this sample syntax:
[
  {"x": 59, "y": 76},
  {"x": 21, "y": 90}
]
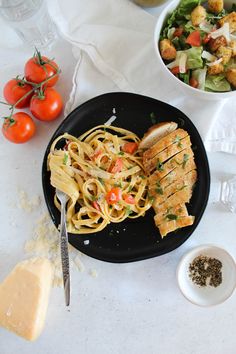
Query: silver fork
[{"x": 63, "y": 198}]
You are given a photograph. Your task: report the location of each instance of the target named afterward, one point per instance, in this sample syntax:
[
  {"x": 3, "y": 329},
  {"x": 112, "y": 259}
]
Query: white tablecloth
[{"x": 129, "y": 308}]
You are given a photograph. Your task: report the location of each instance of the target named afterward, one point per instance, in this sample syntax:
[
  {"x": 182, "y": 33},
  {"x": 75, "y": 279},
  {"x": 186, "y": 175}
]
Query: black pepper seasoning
[{"x": 206, "y": 271}]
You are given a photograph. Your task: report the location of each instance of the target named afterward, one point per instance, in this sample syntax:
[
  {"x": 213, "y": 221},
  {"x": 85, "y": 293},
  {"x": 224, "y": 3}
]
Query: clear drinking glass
[
  {"x": 30, "y": 20},
  {"x": 225, "y": 192}
]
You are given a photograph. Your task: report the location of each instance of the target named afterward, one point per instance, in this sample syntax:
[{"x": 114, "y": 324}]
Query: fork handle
[{"x": 65, "y": 256}]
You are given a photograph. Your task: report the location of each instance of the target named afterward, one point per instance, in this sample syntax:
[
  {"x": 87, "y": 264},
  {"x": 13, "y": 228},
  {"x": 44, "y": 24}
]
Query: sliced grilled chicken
[
  {"x": 155, "y": 133},
  {"x": 153, "y": 180},
  {"x": 169, "y": 162},
  {"x": 161, "y": 194},
  {"x": 170, "y": 151},
  {"x": 179, "y": 197},
  {"x": 163, "y": 143},
  {"x": 179, "y": 159},
  {"x": 173, "y": 225},
  {"x": 171, "y": 213}
]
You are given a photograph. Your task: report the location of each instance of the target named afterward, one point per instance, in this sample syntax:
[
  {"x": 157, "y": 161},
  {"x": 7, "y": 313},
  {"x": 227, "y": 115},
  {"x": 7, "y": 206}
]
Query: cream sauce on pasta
[{"x": 89, "y": 169}]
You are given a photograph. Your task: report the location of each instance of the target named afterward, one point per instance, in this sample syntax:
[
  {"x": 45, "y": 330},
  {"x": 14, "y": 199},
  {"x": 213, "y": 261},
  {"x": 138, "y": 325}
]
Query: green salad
[{"x": 198, "y": 44}]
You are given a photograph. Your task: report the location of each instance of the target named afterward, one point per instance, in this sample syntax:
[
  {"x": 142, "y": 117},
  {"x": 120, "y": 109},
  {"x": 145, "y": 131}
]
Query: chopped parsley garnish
[
  {"x": 150, "y": 198},
  {"x": 65, "y": 159},
  {"x": 130, "y": 188},
  {"x": 159, "y": 166},
  {"x": 92, "y": 198},
  {"x": 118, "y": 184},
  {"x": 172, "y": 216},
  {"x": 101, "y": 180},
  {"x": 177, "y": 140},
  {"x": 159, "y": 189},
  {"x": 181, "y": 188},
  {"x": 185, "y": 159},
  {"x": 121, "y": 153},
  {"x": 128, "y": 210},
  {"x": 142, "y": 176},
  {"x": 153, "y": 118}
]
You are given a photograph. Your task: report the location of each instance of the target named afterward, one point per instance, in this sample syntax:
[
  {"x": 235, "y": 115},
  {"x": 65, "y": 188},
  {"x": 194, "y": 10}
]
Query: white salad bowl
[{"x": 188, "y": 90}]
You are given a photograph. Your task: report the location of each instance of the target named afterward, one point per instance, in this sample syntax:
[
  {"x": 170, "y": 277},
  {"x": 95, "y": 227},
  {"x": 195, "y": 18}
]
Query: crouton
[
  {"x": 215, "y": 69},
  {"x": 198, "y": 15},
  {"x": 214, "y": 44},
  {"x": 231, "y": 19},
  {"x": 225, "y": 53},
  {"x": 167, "y": 50},
  {"x": 232, "y": 45},
  {"x": 215, "y": 6},
  {"x": 231, "y": 76}
]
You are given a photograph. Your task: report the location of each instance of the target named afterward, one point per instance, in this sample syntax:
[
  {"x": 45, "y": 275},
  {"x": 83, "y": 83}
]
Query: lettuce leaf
[
  {"x": 217, "y": 83},
  {"x": 194, "y": 60},
  {"x": 185, "y": 77},
  {"x": 200, "y": 76},
  {"x": 180, "y": 15}
]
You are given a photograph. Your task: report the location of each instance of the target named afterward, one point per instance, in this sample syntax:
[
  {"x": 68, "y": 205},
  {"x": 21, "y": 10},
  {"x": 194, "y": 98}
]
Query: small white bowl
[
  {"x": 208, "y": 295},
  {"x": 188, "y": 90}
]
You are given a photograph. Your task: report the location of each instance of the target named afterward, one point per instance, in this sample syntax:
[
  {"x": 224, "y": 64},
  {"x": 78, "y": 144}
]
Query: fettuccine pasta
[{"x": 102, "y": 173}]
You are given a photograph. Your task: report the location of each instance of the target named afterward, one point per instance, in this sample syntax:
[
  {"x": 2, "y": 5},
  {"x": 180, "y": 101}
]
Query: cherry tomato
[
  {"x": 130, "y": 148},
  {"x": 38, "y": 69},
  {"x": 46, "y": 107},
  {"x": 14, "y": 90},
  {"x": 178, "y": 32},
  {"x": 194, "y": 39},
  {"x": 18, "y": 129},
  {"x": 116, "y": 166},
  {"x": 175, "y": 70},
  {"x": 129, "y": 199},
  {"x": 114, "y": 195},
  {"x": 193, "y": 82}
]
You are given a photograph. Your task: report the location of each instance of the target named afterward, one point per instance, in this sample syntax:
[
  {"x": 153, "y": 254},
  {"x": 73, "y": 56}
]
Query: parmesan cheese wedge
[{"x": 24, "y": 296}]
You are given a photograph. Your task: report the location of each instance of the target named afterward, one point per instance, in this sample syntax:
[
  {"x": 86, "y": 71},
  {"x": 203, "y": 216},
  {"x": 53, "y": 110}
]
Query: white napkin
[{"x": 113, "y": 43}]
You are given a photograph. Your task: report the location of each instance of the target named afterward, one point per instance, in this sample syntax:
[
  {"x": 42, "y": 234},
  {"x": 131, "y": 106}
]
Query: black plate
[{"x": 135, "y": 239}]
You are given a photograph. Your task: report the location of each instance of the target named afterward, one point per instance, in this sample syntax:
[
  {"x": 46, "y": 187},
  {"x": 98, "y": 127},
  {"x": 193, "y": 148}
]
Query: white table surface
[{"x": 129, "y": 308}]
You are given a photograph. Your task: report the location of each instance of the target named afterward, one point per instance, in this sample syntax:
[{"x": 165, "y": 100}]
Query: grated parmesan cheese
[
  {"x": 45, "y": 243},
  {"x": 93, "y": 273},
  {"x": 27, "y": 204},
  {"x": 46, "y": 240}
]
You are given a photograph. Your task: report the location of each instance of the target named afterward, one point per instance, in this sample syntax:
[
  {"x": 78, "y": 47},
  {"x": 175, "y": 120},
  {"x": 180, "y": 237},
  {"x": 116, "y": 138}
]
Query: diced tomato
[
  {"x": 175, "y": 70},
  {"x": 129, "y": 199},
  {"x": 130, "y": 148},
  {"x": 206, "y": 38},
  {"x": 67, "y": 144},
  {"x": 178, "y": 32},
  {"x": 193, "y": 82},
  {"x": 116, "y": 166},
  {"x": 96, "y": 205},
  {"x": 104, "y": 159},
  {"x": 114, "y": 195},
  {"x": 194, "y": 39}
]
